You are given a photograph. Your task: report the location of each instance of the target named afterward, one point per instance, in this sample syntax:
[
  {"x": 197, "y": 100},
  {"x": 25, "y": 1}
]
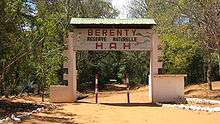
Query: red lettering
[
  {"x": 119, "y": 32},
  {"x": 127, "y": 45},
  {"x": 126, "y": 32},
  {"x": 104, "y": 32},
  {"x": 90, "y": 32},
  {"x": 112, "y": 45},
  {"x": 99, "y": 45},
  {"x": 97, "y": 32},
  {"x": 134, "y": 32},
  {"x": 111, "y": 32}
]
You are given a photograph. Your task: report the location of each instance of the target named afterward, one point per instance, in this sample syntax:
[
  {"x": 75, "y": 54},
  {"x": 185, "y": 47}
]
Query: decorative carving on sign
[{"x": 112, "y": 39}]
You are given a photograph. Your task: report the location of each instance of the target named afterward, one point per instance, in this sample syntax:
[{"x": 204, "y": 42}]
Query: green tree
[
  {"x": 31, "y": 37},
  {"x": 202, "y": 17},
  {"x": 183, "y": 42}
]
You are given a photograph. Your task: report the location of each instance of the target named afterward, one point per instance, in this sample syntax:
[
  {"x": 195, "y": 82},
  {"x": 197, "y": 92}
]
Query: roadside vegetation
[{"x": 32, "y": 36}]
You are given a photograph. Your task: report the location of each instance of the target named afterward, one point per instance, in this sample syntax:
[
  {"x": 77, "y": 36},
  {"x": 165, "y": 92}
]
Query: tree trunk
[
  {"x": 4, "y": 88},
  {"x": 38, "y": 88},
  {"x": 209, "y": 68},
  {"x": 6, "y": 92},
  {"x": 1, "y": 83},
  {"x": 43, "y": 89},
  {"x": 219, "y": 63},
  {"x": 43, "y": 95},
  {"x": 204, "y": 72}
]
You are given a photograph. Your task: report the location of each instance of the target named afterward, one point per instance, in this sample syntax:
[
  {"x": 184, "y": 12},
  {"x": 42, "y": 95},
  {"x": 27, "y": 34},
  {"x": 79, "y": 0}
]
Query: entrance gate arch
[{"x": 117, "y": 35}]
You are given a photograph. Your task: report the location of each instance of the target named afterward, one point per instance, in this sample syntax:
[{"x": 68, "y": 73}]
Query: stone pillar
[
  {"x": 155, "y": 64},
  {"x": 60, "y": 93},
  {"x": 70, "y": 64},
  {"x": 163, "y": 88}
]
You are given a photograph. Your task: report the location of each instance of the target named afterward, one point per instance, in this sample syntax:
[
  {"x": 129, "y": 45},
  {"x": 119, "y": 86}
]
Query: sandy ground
[
  {"x": 201, "y": 91},
  {"x": 112, "y": 109}
]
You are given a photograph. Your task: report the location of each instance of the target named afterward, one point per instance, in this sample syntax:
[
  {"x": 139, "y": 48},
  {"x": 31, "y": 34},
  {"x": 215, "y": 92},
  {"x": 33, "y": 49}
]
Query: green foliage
[
  {"x": 178, "y": 53},
  {"x": 182, "y": 53},
  {"x": 31, "y": 38},
  {"x": 183, "y": 56},
  {"x": 32, "y": 33},
  {"x": 111, "y": 65},
  {"x": 136, "y": 64}
]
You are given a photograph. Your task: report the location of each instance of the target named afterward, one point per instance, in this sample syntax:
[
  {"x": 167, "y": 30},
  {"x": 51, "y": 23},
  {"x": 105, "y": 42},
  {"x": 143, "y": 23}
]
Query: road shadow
[
  {"x": 202, "y": 90},
  {"x": 193, "y": 90},
  {"x": 132, "y": 104},
  {"x": 52, "y": 119},
  {"x": 83, "y": 102},
  {"x": 122, "y": 104},
  {"x": 8, "y": 107},
  {"x": 60, "y": 113}
]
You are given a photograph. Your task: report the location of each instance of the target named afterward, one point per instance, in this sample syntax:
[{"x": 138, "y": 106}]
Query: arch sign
[
  {"x": 89, "y": 34},
  {"x": 112, "y": 39}
]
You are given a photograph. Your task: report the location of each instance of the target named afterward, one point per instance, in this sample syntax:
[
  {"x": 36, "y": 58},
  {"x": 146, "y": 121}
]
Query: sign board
[{"x": 112, "y": 39}]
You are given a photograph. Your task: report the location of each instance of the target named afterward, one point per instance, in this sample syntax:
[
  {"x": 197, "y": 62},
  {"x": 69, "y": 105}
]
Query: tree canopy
[{"x": 32, "y": 34}]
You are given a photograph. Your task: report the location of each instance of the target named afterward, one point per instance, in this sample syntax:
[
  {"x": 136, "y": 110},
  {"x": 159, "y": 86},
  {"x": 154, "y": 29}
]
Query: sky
[{"x": 121, "y": 5}]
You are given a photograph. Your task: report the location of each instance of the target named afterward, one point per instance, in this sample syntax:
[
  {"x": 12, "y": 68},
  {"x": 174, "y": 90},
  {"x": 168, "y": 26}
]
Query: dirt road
[{"x": 114, "y": 110}]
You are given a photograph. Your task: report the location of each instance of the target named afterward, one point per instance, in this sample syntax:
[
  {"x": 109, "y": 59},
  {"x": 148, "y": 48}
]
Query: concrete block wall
[{"x": 168, "y": 88}]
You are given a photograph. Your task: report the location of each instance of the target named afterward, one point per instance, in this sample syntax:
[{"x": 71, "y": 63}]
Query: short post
[
  {"x": 96, "y": 88},
  {"x": 127, "y": 85}
]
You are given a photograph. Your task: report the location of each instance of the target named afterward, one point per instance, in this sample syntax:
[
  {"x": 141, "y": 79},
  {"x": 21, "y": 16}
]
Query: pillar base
[
  {"x": 168, "y": 88},
  {"x": 61, "y": 94}
]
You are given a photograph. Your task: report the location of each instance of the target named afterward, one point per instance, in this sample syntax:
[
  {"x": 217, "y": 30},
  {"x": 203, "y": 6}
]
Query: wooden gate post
[
  {"x": 96, "y": 88},
  {"x": 127, "y": 85}
]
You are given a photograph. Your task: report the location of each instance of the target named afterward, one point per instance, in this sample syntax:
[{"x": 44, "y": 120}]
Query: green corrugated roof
[{"x": 95, "y": 21}]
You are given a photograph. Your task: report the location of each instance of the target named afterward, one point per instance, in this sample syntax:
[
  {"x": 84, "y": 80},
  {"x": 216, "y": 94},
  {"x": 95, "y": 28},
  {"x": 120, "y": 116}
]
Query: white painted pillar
[
  {"x": 155, "y": 54},
  {"x": 96, "y": 88}
]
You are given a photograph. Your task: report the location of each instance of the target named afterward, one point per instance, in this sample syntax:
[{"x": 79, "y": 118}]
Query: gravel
[
  {"x": 195, "y": 107},
  {"x": 19, "y": 118}
]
